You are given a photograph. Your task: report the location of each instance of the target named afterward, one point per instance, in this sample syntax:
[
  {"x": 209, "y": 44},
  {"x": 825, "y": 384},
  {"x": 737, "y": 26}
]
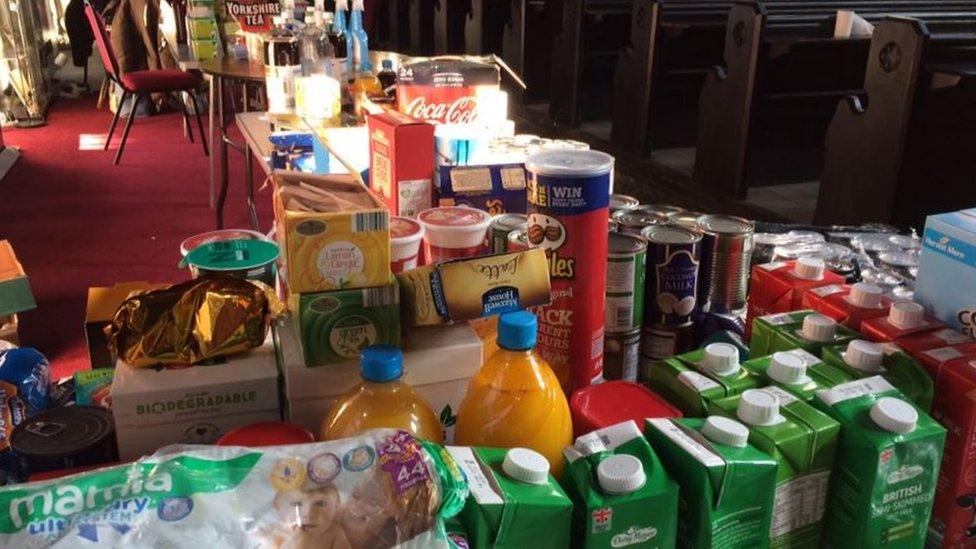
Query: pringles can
[
  {"x": 727, "y": 243},
  {"x": 569, "y": 199},
  {"x": 626, "y": 268}
]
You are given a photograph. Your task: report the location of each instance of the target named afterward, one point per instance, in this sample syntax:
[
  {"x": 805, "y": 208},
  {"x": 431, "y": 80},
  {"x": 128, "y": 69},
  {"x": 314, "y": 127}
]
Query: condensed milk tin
[
  {"x": 727, "y": 243},
  {"x": 673, "y": 256},
  {"x": 569, "y": 199}
]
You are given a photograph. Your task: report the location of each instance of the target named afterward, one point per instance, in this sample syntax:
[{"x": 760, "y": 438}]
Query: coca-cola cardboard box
[
  {"x": 401, "y": 162},
  {"x": 444, "y": 90}
]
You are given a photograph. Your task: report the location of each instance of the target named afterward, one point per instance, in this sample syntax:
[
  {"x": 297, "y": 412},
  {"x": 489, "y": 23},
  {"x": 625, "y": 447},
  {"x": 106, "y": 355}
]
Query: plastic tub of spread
[{"x": 454, "y": 232}]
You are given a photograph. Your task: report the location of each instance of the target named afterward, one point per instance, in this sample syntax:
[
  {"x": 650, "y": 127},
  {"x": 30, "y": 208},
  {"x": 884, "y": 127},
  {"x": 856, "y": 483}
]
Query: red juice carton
[
  {"x": 946, "y": 337},
  {"x": 848, "y": 304},
  {"x": 904, "y": 318},
  {"x": 934, "y": 359},
  {"x": 401, "y": 162},
  {"x": 778, "y": 287}
]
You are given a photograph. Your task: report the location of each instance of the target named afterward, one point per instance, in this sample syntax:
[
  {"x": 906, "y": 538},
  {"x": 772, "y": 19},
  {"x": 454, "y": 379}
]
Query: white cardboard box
[
  {"x": 439, "y": 361},
  {"x": 193, "y": 405}
]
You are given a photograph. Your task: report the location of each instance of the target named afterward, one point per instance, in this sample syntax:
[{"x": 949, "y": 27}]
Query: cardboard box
[
  {"x": 496, "y": 189},
  {"x": 438, "y": 362},
  {"x": 344, "y": 248},
  {"x": 15, "y": 290},
  {"x": 946, "y": 283},
  {"x": 103, "y": 302},
  {"x": 401, "y": 162},
  {"x": 193, "y": 405}
]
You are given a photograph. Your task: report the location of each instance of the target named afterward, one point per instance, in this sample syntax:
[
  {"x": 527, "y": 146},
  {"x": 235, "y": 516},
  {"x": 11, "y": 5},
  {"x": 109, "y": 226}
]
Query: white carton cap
[
  {"x": 758, "y": 407},
  {"x": 788, "y": 368},
  {"x": 725, "y": 431},
  {"x": 864, "y": 355},
  {"x": 895, "y": 415},
  {"x": 722, "y": 358},
  {"x": 906, "y": 315},
  {"x": 809, "y": 268},
  {"x": 620, "y": 474},
  {"x": 865, "y": 296},
  {"x": 526, "y": 466},
  {"x": 819, "y": 328}
]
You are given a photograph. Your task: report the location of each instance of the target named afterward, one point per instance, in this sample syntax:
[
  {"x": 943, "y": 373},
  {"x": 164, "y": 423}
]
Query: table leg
[
  {"x": 212, "y": 107},
  {"x": 224, "y": 170},
  {"x": 249, "y": 181}
]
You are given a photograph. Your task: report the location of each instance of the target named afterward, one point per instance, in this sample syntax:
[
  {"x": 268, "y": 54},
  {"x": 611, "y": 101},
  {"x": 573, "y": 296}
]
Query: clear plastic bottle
[
  {"x": 382, "y": 400},
  {"x": 515, "y": 400}
]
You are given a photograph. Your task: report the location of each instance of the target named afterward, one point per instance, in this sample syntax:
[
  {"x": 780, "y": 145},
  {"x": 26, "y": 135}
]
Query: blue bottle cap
[
  {"x": 517, "y": 331},
  {"x": 388, "y": 64},
  {"x": 381, "y": 363}
]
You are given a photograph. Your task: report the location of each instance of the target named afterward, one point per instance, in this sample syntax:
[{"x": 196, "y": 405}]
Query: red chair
[{"x": 140, "y": 84}]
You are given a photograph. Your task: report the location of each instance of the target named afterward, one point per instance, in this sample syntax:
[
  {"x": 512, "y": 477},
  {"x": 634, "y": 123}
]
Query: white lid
[
  {"x": 788, "y": 368},
  {"x": 725, "y": 431},
  {"x": 569, "y": 163},
  {"x": 864, "y": 355},
  {"x": 895, "y": 415},
  {"x": 759, "y": 407},
  {"x": 809, "y": 268},
  {"x": 865, "y": 296},
  {"x": 620, "y": 474},
  {"x": 722, "y": 359},
  {"x": 819, "y": 327},
  {"x": 526, "y": 466},
  {"x": 906, "y": 315}
]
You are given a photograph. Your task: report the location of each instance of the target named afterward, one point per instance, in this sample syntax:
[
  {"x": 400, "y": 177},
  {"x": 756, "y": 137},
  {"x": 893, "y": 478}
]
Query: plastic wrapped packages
[{"x": 383, "y": 488}]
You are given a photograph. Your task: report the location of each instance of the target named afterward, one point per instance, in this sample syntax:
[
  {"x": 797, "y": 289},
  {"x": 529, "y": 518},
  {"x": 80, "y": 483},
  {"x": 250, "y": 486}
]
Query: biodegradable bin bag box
[
  {"x": 887, "y": 466},
  {"x": 154, "y": 407},
  {"x": 726, "y": 485},
  {"x": 438, "y": 362},
  {"x": 613, "y": 478}
]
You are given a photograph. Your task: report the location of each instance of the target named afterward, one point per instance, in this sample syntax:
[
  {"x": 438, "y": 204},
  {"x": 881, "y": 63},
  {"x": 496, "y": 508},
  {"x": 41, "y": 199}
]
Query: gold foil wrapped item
[{"x": 193, "y": 321}]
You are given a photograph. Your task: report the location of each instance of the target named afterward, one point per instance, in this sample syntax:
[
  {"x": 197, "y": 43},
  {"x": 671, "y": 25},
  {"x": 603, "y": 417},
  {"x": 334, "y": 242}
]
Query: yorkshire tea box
[
  {"x": 726, "y": 485},
  {"x": 438, "y": 362},
  {"x": 334, "y": 233},
  {"x": 154, "y": 407},
  {"x": 886, "y": 469},
  {"x": 335, "y": 326}
]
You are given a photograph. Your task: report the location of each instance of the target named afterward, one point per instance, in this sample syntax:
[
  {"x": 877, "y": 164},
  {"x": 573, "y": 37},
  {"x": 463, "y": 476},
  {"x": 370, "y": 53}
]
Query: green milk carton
[
  {"x": 798, "y": 371},
  {"x": 726, "y": 485},
  {"x": 622, "y": 495},
  {"x": 691, "y": 380},
  {"x": 805, "y": 330},
  {"x": 860, "y": 359},
  {"x": 887, "y": 465},
  {"x": 513, "y": 501},
  {"x": 803, "y": 441}
]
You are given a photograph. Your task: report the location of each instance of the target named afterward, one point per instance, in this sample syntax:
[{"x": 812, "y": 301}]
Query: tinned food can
[
  {"x": 518, "y": 240},
  {"x": 62, "y": 438},
  {"x": 621, "y": 355},
  {"x": 620, "y": 202},
  {"x": 671, "y": 294},
  {"x": 502, "y": 226},
  {"x": 659, "y": 342},
  {"x": 634, "y": 220},
  {"x": 685, "y": 219},
  {"x": 626, "y": 269},
  {"x": 568, "y": 205},
  {"x": 727, "y": 243}
]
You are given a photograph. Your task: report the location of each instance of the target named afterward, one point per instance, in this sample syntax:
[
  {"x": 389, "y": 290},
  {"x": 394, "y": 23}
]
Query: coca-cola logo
[{"x": 462, "y": 110}]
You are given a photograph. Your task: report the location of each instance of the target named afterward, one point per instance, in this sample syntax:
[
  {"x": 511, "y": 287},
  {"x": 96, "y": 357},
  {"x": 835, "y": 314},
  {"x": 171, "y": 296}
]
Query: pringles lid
[
  {"x": 526, "y": 466},
  {"x": 894, "y": 415},
  {"x": 621, "y": 474},
  {"x": 722, "y": 359},
  {"x": 725, "y": 431},
  {"x": 569, "y": 163},
  {"x": 820, "y": 328},
  {"x": 864, "y": 356},
  {"x": 758, "y": 407},
  {"x": 788, "y": 368}
]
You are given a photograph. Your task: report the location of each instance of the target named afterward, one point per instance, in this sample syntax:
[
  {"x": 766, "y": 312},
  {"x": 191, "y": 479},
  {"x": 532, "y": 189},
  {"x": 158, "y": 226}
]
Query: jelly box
[
  {"x": 401, "y": 162},
  {"x": 496, "y": 188},
  {"x": 946, "y": 283}
]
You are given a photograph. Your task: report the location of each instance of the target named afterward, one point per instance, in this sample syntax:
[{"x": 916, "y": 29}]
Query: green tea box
[
  {"x": 805, "y": 330},
  {"x": 690, "y": 380},
  {"x": 622, "y": 495},
  {"x": 798, "y": 371},
  {"x": 860, "y": 359},
  {"x": 514, "y": 502},
  {"x": 726, "y": 485},
  {"x": 803, "y": 441},
  {"x": 887, "y": 465}
]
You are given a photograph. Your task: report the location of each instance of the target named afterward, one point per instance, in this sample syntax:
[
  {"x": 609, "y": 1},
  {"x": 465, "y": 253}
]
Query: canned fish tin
[
  {"x": 621, "y": 355},
  {"x": 501, "y": 227},
  {"x": 626, "y": 268},
  {"x": 660, "y": 342},
  {"x": 674, "y": 255},
  {"x": 634, "y": 220},
  {"x": 569, "y": 201},
  {"x": 518, "y": 240},
  {"x": 727, "y": 243},
  {"x": 620, "y": 202}
]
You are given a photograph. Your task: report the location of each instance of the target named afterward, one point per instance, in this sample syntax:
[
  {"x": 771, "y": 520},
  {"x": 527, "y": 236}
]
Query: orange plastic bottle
[
  {"x": 515, "y": 400},
  {"x": 382, "y": 400}
]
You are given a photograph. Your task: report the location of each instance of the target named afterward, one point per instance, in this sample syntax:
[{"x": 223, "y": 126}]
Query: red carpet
[{"x": 76, "y": 220}]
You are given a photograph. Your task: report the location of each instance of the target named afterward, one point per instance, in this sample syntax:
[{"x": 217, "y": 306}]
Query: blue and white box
[{"x": 946, "y": 283}]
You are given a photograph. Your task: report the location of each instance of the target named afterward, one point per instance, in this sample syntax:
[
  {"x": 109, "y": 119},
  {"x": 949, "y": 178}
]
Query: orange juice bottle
[
  {"x": 382, "y": 400},
  {"x": 515, "y": 400}
]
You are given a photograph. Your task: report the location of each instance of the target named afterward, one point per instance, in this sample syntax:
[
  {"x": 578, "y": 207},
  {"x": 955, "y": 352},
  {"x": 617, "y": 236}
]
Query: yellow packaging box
[{"x": 333, "y": 232}]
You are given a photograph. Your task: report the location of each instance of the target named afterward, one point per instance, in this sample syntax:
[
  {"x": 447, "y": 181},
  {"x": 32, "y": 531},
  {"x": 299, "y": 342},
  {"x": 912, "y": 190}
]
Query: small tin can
[
  {"x": 626, "y": 269},
  {"x": 63, "y": 438},
  {"x": 660, "y": 342},
  {"x": 685, "y": 219},
  {"x": 727, "y": 243},
  {"x": 620, "y": 202},
  {"x": 634, "y": 220},
  {"x": 674, "y": 255},
  {"x": 518, "y": 240},
  {"x": 613, "y": 226},
  {"x": 501, "y": 227},
  {"x": 621, "y": 355},
  {"x": 664, "y": 209}
]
